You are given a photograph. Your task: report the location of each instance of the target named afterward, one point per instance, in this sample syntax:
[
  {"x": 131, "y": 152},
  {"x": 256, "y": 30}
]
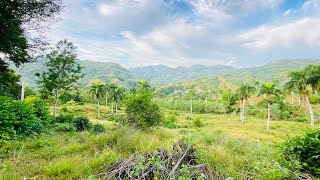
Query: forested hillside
[{"x": 163, "y": 75}]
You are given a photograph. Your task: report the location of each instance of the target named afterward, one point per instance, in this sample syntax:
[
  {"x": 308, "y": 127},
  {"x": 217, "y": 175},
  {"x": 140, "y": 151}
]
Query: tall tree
[
  {"x": 112, "y": 92},
  {"x": 97, "y": 91},
  {"x": 63, "y": 71},
  {"x": 305, "y": 81},
  {"x": 269, "y": 89},
  {"x": 118, "y": 96},
  {"x": 143, "y": 84},
  {"x": 244, "y": 92},
  {"x": 17, "y": 19},
  {"x": 107, "y": 88},
  {"x": 190, "y": 95}
]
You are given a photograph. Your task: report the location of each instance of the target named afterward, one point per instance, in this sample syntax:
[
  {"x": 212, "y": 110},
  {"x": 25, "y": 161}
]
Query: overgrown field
[{"x": 222, "y": 142}]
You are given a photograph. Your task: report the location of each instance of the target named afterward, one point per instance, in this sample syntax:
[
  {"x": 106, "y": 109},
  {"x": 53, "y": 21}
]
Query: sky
[{"x": 239, "y": 33}]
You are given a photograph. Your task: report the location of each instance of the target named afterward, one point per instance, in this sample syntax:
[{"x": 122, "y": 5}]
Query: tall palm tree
[
  {"x": 305, "y": 81},
  {"x": 97, "y": 92},
  {"x": 118, "y": 96},
  {"x": 144, "y": 85},
  {"x": 244, "y": 92},
  {"x": 107, "y": 88},
  {"x": 112, "y": 93},
  {"x": 269, "y": 89},
  {"x": 190, "y": 95}
]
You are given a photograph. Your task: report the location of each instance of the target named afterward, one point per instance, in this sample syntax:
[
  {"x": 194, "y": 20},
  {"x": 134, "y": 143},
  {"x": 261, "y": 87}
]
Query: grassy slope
[{"x": 226, "y": 145}]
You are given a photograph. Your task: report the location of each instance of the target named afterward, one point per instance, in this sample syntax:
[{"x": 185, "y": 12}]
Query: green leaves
[{"x": 245, "y": 91}]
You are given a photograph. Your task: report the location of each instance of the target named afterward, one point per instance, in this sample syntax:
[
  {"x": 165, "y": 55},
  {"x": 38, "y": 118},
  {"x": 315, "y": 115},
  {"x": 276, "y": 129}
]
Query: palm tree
[
  {"x": 97, "y": 91},
  {"x": 190, "y": 95},
  {"x": 269, "y": 89},
  {"x": 112, "y": 89},
  {"x": 144, "y": 85},
  {"x": 305, "y": 81},
  {"x": 244, "y": 92},
  {"x": 118, "y": 96},
  {"x": 107, "y": 88}
]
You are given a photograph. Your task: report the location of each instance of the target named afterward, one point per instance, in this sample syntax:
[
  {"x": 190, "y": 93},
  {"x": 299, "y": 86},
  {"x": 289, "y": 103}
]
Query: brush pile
[{"x": 180, "y": 164}]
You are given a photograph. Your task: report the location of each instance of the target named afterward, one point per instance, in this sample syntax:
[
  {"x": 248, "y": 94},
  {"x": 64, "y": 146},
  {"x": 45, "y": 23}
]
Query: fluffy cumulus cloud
[{"x": 186, "y": 32}]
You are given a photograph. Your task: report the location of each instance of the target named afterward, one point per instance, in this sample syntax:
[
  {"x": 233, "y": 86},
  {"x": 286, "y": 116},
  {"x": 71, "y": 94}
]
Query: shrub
[
  {"x": 141, "y": 110},
  {"x": 82, "y": 123},
  {"x": 197, "y": 122},
  {"x": 66, "y": 127},
  {"x": 170, "y": 122},
  {"x": 304, "y": 149},
  {"x": 64, "y": 118},
  {"x": 19, "y": 119},
  {"x": 98, "y": 128}
]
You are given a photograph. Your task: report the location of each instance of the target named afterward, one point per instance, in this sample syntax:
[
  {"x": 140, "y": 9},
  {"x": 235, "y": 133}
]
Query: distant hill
[
  {"x": 161, "y": 75},
  {"x": 94, "y": 71}
]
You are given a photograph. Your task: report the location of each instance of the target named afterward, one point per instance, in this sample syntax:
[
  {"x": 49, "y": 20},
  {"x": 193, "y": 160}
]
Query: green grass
[{"x": 225, "y": 144}]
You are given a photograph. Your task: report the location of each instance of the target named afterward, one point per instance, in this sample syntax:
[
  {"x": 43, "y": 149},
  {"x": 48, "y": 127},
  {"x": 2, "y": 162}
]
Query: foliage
[
  {"x": 62, "y": 71},
  {"x": 17, "y": 18},
  {"x": 64, "y": 118},
  {"x": 170, "y": 121},
  {"x": 19, "y": 119},
  {"x": 82, "y": 123},
  {"x": 304, "y": 149},
  {"x": 197, "y": 122},
  {"x": 98, "y": 128},
  {"x": 9, "y": 83},
  {"x": 64, "y": 127},
  {"x": 141, "y": 110}
]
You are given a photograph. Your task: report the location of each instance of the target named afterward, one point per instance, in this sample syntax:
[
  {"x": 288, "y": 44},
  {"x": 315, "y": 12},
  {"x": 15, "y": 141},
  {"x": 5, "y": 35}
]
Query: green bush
[
  {"x": 141, "y": 110},
  {"x": 82, "y": 123},
  {"x": 64, "y": 127},
  {"x": 98, "y": 128},
  {"x": 170, "y": 122},
  {"x": 197, "y": 122},
  {"x": 304, "y": 149},
  {"x": 19, "y": 119},
  {"x": 64, "y": 118}
]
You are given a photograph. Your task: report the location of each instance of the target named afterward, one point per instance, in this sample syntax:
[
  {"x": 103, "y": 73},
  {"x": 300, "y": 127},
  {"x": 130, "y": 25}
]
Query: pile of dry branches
[{"x": 181, "y": 163}]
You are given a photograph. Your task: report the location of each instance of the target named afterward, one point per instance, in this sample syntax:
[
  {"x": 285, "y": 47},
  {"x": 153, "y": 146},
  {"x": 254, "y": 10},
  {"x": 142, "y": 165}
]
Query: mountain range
[{"x": 160, "y": 75}]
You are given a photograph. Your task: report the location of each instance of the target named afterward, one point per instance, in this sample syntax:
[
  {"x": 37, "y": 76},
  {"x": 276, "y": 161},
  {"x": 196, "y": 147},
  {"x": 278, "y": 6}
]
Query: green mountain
[
  {"x": 161, "y": 75},
  {"x": 93, "y": 71}
]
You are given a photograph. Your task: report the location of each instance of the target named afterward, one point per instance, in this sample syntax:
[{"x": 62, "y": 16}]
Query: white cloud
[{"x": 302, "y": 32}]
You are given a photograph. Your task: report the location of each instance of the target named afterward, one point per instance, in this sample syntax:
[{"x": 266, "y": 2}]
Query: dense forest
[{"x": 65, "y": 118}]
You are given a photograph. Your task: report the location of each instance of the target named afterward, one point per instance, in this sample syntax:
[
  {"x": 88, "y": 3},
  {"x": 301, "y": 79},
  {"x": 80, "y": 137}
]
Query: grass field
[{"x": 225, "y": 144}]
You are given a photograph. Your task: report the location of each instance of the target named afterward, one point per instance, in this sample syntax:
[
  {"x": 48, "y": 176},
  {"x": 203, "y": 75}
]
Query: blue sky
[{"x": 241, "y": 33}]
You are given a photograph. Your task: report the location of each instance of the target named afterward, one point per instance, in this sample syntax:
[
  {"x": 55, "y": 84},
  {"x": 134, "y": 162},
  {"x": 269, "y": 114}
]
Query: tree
[
  {"x": 62, "y": 71},
  {"x": 107, "y": 88},
  {"x": 143, "y": 84},
  {"x": 269, "y": 89},
  {"x": 9, "y": 83},
  {"x": 97, "y": 90},
  {"x": 17, "y": 19},
  {"x": 118, "y": 96},
  {"x": 190, "y": 95},
  {"x": 112, "y": 89},
  {"x": 141, "y": 110},
  {"x": 305, "y": 81},
  {"x": 244, "y": 92}
]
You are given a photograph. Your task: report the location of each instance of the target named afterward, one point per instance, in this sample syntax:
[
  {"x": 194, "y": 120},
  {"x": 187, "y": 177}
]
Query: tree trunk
[
  {"x": 264, "y": 96},
  {"x": 98, "y": 109},
  {"x": 310, "y": 110},
  {"x": 22, "y": 90},
  {"x": 116, "y": 108},
  {"x": 242, "y": 111},
  {"x": 112, "y": 106},
  {"x": 106, "y": 99},
  {"x": 191, "y": 107},
  {"x": 55, "y": 103},
  {"x": 292, "y": 97},
  {"x": 206, "y": 99},
  {"x": 268, "y": 122},
  {"x": 299, "y": 99}
]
